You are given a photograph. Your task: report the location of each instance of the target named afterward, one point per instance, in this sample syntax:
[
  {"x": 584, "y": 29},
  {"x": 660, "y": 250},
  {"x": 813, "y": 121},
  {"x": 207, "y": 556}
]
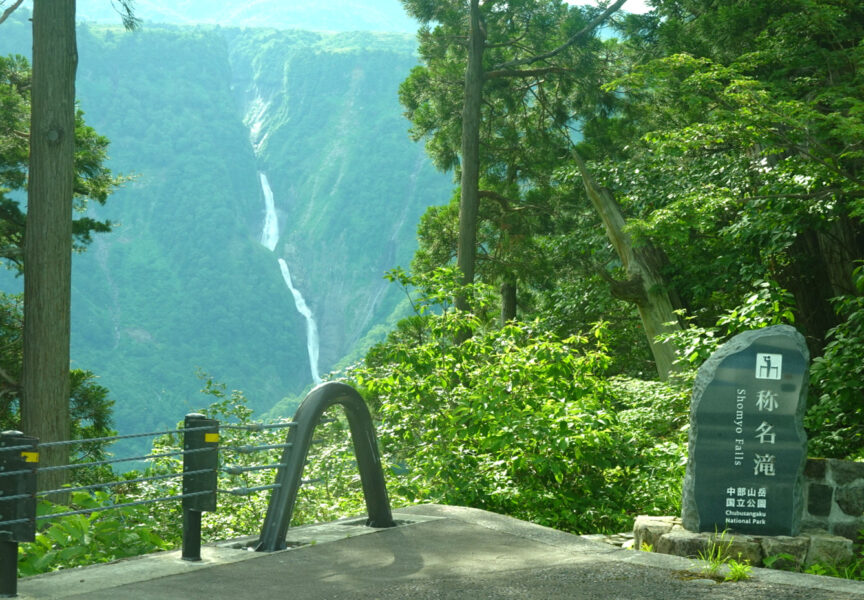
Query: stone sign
[{"x": 747, "y": 444}]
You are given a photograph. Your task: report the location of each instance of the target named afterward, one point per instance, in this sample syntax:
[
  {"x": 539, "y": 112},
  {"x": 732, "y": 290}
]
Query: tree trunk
[
  {"x": 469, "y": 199},
  {"x": 645, "y": 285},
  {"x": 808, "y": 278},
  {"x": 48, "y": 234},
  {"x": 841, "y": 246},
  {"x": 508, "y": 301}
]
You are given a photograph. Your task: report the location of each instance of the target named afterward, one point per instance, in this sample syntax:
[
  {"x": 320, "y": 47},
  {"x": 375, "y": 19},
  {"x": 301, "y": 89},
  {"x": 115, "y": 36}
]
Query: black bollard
[
  {"x": 18, "y": 515},
  {"x": 201, "y": 447}
]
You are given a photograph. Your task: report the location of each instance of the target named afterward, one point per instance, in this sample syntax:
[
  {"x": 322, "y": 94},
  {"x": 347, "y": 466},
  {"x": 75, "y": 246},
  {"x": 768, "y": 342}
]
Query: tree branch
[
  {"x": 810, "y": 196},
  {"x": 590, "y": 27},
  {"x": 126, "y": 10},
  {"x": 10, "y": 10},
  {"x": 525, "y": 72},
  {"x": 629, "y": 290},
  {"x": 3, "y": 374},
  {"x": 505, "y": 202},
  {"x": 515, "y": 41}
]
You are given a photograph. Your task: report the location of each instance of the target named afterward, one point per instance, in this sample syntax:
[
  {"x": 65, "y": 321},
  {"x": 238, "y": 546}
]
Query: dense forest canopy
[{"x": 727, "y": 136}]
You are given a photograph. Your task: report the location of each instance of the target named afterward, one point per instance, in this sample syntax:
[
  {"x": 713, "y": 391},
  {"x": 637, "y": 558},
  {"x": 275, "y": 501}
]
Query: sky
[{"x": 632, "y": 6}]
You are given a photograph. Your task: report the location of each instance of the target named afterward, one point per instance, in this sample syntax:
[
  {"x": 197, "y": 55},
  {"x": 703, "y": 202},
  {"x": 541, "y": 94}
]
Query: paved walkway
[{"x": 438, "y": 552}]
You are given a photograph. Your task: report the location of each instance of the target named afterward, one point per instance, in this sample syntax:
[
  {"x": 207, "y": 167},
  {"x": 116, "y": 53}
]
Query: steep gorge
[{"x": 350, "y": 185}]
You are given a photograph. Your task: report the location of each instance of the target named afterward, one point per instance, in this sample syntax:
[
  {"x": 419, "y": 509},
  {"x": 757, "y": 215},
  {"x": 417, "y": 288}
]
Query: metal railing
[
  {"x": 201, "y": 448},
  {"x": 299, "y": 439}
]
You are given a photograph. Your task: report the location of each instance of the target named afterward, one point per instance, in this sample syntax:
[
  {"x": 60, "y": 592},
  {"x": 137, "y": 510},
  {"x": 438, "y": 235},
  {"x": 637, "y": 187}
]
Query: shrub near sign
[{"x": 747, "y": 444}]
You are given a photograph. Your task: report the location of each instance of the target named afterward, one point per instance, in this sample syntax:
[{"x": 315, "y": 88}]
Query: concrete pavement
[{"x": 437, "y": 552}]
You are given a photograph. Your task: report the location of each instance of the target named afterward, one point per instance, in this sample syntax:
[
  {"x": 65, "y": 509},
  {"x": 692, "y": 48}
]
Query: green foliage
[
  {"x": 783, "y": 561},
  {"x": 519, "y": 421},
  {"x": 852, "y": 569},
  {"x": 732, "y": 146},
  {"x": 835, "y": 419},
  {"x": 717, "y": 556},
  {"x": 93, "y": 180},
  {"x": 738, "y": 571},
  {"x": 656, "y": 415},
  {"x": 767, "y": 305},
  {"x": 739, "y": 168},
  {"x": 90, "y": 407},
  {"x": 83, "y": 539},
  {"x": 11, "y": 328}
]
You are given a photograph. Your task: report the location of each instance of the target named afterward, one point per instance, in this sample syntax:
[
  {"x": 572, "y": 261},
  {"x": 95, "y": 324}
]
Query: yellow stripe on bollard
[
  {"x": 211, "y": 437},
  {"x": 30, "y": 457}
]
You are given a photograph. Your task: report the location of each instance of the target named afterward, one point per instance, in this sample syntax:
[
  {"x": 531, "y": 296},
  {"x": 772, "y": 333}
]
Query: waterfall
[
  {"x": 311, "y": 326},
  {"x": 270, "y": 234},
  {"x": 269, "y": 239},
  {"x": 254, "y": 119}
]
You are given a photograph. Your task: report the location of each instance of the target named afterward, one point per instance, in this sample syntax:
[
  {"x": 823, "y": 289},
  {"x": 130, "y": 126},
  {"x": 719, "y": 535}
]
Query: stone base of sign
[
  {"x": 665, "y": 535},
  {"x": 834, "y": 496}
]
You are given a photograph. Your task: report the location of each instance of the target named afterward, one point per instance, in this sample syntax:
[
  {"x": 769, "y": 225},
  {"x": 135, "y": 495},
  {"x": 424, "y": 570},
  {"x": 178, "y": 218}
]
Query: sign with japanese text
[{"x": 747, "y": 443}]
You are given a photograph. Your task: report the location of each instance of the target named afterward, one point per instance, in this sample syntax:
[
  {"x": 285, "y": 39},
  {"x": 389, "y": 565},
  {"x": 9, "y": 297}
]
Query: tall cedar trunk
[
  {"x": 645, "y": 286},
  {"x": 469, "y": 199},
  {"x": 508, "y": 301},
  {"x": 842, "y": 246},
  {"x": 807, "y": 277},
  {"x": 48, "y": 235}
]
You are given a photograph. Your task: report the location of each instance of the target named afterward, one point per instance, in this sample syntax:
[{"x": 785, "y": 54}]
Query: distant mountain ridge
[{"x": 334, "y": 15}]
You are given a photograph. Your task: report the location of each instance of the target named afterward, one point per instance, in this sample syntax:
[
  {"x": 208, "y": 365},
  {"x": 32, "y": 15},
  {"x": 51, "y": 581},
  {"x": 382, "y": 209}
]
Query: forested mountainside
[{"x": 203, "y": 119}]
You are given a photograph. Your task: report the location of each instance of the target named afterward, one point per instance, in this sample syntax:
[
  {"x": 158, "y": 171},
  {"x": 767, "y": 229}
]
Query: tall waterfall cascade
[
  {"x": 270, "y": 234},
  {"x": 312, "y": 342},
  {"x": 270, "y": 239}
]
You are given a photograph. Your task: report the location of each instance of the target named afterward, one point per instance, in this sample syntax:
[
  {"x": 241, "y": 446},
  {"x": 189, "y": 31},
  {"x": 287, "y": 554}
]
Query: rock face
[
  {"x": 747, "y": 445},
  {"x": 647, "y": 530},
  {"x": 787, "y": 552},
  {"x": 828, "y": 550},
  {"x": 680, "y": 542}
]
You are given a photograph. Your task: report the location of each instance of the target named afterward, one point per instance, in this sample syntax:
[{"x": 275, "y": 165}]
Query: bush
[
  {"x": 84, "y": 539},
  {"x": 835, "y": 420},
  {"x": 520, "y": 422}
]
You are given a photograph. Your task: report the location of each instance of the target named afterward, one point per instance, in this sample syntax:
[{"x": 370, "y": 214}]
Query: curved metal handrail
[{"x": 299, "y": 438}]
